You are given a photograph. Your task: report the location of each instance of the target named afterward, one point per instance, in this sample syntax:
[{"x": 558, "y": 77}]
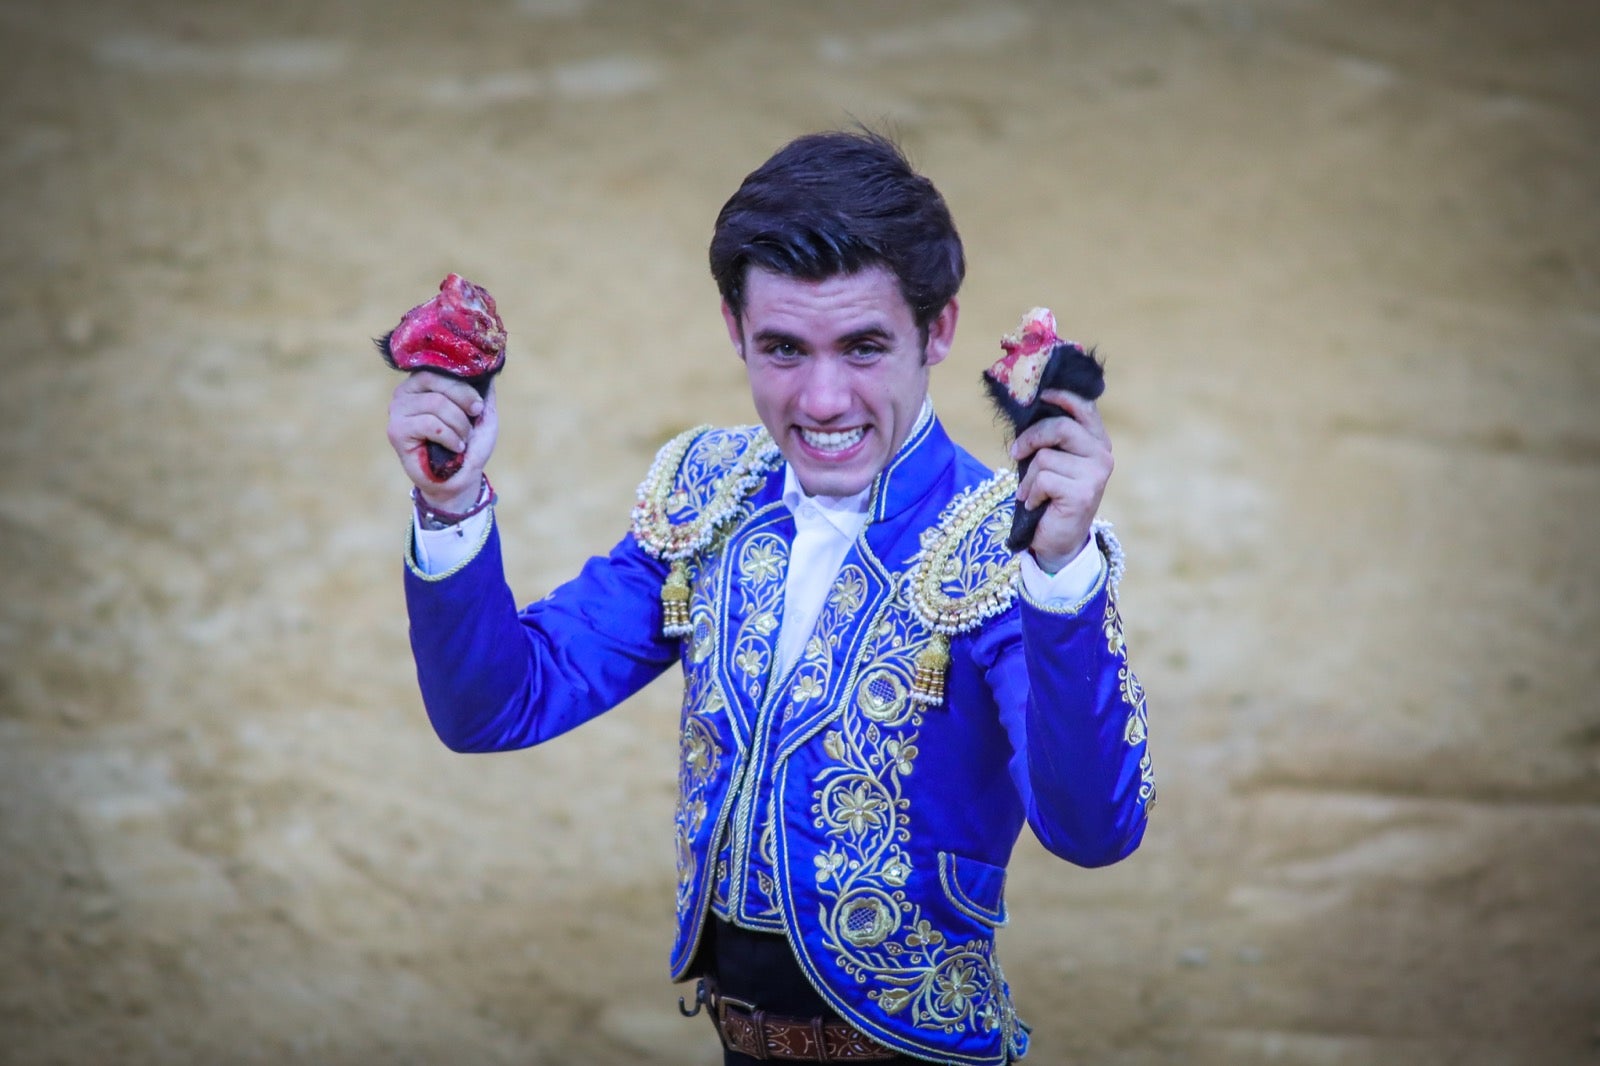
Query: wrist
[
  {"x": 1052, "y": 564},
  {"x": 441, "y": 514}
]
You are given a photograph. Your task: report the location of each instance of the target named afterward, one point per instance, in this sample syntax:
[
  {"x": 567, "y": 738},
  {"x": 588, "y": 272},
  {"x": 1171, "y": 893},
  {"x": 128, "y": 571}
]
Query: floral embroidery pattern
[
  {"x": 837, "y": 621},
  {"x": 694, "y": 492},
  {"x": 869, "y": 922},
  {"x": 1137, "y": 730},
  {"x": 700, "y": 755},
  {"x": 765, "y": 883},
  {"x": 761, "y": 566}
]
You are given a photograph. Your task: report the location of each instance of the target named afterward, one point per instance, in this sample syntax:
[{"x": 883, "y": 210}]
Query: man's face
[{"x": 838, "y": 370}]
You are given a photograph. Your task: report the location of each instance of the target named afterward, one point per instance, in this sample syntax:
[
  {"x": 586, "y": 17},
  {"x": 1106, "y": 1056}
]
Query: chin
[{"x": 826, "y": 482}]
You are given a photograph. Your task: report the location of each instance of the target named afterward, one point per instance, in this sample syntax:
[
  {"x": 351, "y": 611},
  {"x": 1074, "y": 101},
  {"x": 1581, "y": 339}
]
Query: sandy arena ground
[{"x": 1344, "y": 260}]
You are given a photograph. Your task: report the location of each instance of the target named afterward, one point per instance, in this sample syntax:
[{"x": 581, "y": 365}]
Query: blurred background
[{"x": 1342, "y": 258}]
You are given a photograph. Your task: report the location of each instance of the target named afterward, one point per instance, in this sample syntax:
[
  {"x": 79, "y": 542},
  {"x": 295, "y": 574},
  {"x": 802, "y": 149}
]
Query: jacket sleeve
[
  {"x": 495, "y": 678},
  {"x": 1076, "y": 715}
]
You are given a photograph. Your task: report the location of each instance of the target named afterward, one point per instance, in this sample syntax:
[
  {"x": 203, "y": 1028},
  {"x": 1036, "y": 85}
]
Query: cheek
[
  {"x": 769, "y": 401},
  {"x": 770, "y": 389}
]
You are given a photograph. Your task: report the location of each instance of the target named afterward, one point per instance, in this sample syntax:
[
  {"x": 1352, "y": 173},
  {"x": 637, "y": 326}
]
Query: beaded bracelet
[{"x": 433, "y": 518}]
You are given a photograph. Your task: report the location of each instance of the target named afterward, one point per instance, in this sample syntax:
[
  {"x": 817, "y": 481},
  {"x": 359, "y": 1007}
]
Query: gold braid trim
[
  {"x": 661, "y": 496},
  {"x": 963, "y": 576}
]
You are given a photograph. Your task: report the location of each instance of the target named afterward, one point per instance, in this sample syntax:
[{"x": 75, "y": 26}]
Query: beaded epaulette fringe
[
  {"x": 661, "y": 496},
  {"x": 962, "y": 577}
]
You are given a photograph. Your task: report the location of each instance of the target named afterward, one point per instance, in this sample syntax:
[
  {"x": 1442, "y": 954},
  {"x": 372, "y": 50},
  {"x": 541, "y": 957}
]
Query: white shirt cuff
[
  {"x": 1071, "y": 584},
  {"x": 438, "y": 551}
]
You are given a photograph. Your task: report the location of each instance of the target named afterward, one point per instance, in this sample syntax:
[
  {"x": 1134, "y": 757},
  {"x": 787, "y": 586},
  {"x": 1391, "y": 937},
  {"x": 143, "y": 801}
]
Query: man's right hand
[{"x": 432, "y": 407}]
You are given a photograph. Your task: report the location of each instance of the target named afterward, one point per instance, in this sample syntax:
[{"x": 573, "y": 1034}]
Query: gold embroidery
[
  {"x": 927, "y": 684},
  {"x": 699, "y": 759},
  {"x": 767, "y": 849},
  {"x": 675, "y": 602},
  {"x": 705, "y": 636},
  {"x": 837, "y": 620},
  {"x": 883, "y": 697},
  {"x": 807, "y": 687},
  {"x": 1111, "y": 626},
  {"x": 694, "y": 492},
  {"x": 870, "y": 922},
  {"x": 963, "y": 576},
  {"x": 761, "y": 563},
  {"x": 1137, "y": 729}
]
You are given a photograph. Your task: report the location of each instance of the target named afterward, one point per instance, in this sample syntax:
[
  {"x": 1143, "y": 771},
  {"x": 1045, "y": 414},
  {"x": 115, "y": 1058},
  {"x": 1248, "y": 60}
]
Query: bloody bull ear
[
  {"x": 457, "y": 333},
  {"x": 1036, "y": 359}
]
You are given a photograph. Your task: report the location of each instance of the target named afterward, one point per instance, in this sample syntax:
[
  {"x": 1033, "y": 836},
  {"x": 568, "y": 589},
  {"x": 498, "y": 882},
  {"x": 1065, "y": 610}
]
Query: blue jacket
[{"x": 866, "y": 803}]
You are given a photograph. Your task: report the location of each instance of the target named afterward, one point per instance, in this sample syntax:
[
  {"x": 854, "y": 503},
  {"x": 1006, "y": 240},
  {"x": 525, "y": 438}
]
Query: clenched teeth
[{"x": 832, "y": 442}]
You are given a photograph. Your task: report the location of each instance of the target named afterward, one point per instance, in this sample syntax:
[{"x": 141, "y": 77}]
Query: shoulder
[
  {"x": 697, "y": 484},
  {"x": 964, "y": 574}
]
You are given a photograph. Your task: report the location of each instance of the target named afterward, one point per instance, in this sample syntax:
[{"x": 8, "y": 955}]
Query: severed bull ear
[
  {"x": 457, "y": 333},
  {"x": 1036, "y": 359}
]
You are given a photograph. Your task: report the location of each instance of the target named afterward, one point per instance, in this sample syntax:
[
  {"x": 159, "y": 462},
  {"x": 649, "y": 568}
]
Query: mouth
[{"x": 831, "y": 443}]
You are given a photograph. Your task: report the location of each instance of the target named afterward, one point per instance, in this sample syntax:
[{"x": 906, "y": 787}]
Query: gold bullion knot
[
  {"x": 927, "y": 684},
  {"x": 675, "y": 602}
]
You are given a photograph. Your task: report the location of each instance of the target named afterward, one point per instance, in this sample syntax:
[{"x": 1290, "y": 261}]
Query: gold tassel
[
  {"x": 675, "y": 602},
  {"x": 927, "y": 686}
]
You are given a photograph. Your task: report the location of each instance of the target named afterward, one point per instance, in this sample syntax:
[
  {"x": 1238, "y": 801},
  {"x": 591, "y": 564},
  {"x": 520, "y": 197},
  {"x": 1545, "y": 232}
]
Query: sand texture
[{"x": 1342, "y": 258}]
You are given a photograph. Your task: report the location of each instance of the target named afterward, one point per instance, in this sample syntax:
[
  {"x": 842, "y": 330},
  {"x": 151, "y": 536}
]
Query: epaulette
[
  {"x": 694, "y": 492},
  {"x": 965, "y": 575}
]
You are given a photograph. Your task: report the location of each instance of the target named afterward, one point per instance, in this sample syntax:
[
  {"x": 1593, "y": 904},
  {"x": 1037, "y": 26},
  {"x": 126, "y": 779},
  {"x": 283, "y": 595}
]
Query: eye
[
  {"x": 782, "y": 351},
  {"x": 866, "y": 351}
]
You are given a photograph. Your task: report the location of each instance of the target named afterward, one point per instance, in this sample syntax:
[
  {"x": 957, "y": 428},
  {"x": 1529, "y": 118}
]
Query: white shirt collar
[{"x": 847, "y": 514}]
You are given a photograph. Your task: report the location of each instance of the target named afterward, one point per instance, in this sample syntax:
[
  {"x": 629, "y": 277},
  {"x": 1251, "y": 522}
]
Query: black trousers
[{"x": 759, "y": 968}]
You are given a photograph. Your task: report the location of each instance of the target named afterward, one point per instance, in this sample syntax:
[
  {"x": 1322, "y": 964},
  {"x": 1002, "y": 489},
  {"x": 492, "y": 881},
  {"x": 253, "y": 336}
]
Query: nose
[{"x": 825, "y": 394}]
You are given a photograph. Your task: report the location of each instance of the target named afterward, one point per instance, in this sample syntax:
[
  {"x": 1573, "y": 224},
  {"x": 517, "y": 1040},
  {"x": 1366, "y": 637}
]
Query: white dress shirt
[{"x": 824, "y": 529}]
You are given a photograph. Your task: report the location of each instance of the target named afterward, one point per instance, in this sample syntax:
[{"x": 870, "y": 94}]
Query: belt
[{"x": 762, "y": 1036}]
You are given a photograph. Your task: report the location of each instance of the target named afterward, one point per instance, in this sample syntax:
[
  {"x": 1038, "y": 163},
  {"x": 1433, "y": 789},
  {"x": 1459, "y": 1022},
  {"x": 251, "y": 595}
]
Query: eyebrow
[
  {"x": 867, "y": 333},
  {"x": 768, "y": 337}
]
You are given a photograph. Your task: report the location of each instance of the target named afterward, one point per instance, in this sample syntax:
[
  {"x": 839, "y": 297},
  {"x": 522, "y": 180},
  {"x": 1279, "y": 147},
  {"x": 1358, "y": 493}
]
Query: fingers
[
  {"x": 1069, "y": 461},
  {"x": 1073, "y": 482},
  {"x": 431, "y": 407},
  {"x": 420, "y": 413},
  {"x": 485, "y": 430},
  {"x": 1077, "y": 429},
  {"x": 425, "y": 383},
  {"x": 1080, "y": 410}
]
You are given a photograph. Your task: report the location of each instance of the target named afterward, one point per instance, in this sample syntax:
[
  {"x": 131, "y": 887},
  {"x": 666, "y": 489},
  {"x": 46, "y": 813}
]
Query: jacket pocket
[{"x": 974, "y": 888}]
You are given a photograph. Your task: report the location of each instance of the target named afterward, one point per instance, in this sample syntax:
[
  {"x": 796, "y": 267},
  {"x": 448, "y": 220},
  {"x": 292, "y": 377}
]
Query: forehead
[{"x": 870, "y": 296}]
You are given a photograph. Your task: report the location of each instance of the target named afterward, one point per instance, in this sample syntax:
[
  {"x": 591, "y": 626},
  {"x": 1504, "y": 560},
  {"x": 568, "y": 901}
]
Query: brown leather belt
[{"x": 762, "y": 1036}]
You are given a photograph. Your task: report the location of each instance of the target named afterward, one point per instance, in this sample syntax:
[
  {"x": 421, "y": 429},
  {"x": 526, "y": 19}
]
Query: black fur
[
  {"x": 385, "y": 351},
  {"x": 1070, "y": 368}
]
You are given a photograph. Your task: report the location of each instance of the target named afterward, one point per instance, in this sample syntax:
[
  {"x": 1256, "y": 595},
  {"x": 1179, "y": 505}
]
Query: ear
[
  {"x": 735, "y": 329},
  {"x": 941, "y": 333}
]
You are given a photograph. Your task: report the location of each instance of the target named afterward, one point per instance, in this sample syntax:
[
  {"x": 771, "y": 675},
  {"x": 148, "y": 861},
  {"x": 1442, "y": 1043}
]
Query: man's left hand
[{"x": 1071, "y": 465}]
